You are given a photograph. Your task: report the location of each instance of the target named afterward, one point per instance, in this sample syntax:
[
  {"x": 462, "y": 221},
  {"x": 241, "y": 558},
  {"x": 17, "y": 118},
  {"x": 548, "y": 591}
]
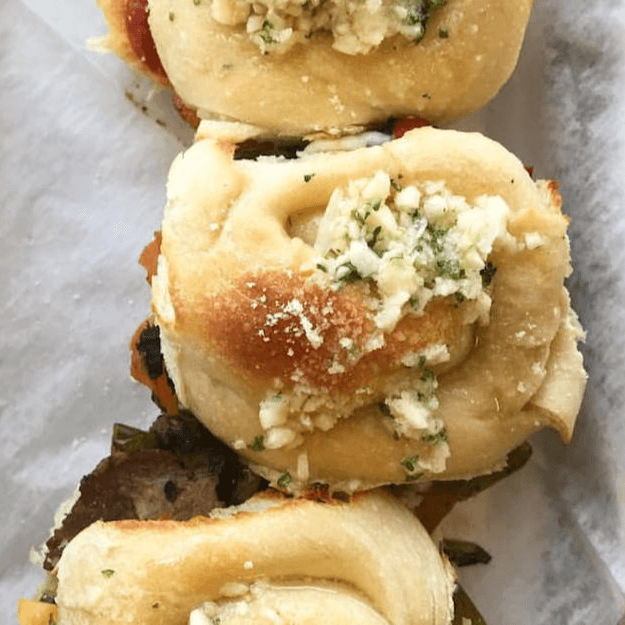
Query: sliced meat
[{"x": 177, "y": 470}]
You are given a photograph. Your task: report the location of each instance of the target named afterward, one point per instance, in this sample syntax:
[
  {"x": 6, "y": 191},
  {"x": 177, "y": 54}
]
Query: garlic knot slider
[
  {"x": 368, "y": 316},
  {"x": 269, "y": 560},
  {"x": 297, "y": 67}
]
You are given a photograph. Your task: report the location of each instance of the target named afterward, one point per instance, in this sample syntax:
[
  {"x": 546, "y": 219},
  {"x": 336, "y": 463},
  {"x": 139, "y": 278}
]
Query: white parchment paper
[{"x": 82, "y": 187}]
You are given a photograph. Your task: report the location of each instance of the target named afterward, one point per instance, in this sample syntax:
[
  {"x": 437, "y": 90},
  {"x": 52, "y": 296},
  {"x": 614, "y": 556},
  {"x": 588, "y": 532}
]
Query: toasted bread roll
[
  {"x": 276, "y": 557},
  {"x": 296, "y": 68},
  {"x": 368, "y": 316}
]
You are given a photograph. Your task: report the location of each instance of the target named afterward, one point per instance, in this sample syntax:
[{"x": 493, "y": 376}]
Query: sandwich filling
[{"x": 356, "y": 26}]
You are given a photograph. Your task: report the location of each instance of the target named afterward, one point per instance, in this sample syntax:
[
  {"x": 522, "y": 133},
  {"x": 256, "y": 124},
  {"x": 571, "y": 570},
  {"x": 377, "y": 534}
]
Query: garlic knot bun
[
  {"x": 270, "y": 560},
  {"x": 368, "y": 316},
  {"x": 298, "y": 67}
]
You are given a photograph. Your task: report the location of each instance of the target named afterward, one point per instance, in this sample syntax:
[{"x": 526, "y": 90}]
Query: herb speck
[
  {"x": 439, "y": 437},
  {"x": 258, "y": 444},
  {"x": 284, "y": 480},
  {"x": 427, "y": 375},
  {"x": 410, "y": 464}
]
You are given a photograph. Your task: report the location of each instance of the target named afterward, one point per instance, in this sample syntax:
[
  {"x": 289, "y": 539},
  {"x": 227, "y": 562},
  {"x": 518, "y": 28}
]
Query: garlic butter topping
[
  {"x": 411, "y": 243},
  {"x": 401, "y": 247},
  {"x": 356, "y": 26}
]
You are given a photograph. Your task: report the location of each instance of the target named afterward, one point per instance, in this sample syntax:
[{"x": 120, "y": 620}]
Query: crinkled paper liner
[{"x": 85, "y": 153}]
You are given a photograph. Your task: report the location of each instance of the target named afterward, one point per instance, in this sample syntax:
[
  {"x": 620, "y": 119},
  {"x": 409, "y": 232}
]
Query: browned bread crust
[
  {"x": 216, "y": 69},
  {"x": 372, "y": 550},
  {"x": 231, "y": 262}
]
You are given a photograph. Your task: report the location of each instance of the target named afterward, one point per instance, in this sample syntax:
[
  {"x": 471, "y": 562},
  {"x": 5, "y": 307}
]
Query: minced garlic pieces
[
  {"x": 356, "y": 26},
  {"x": 285, "y": 415},
  {"x": 412, "y": 244},
  {"x": 402, "y": 246}
]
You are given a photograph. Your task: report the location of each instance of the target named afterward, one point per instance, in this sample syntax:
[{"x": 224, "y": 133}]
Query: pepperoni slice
[
  {"x": 403, "y": 125},
  {"x": 186, "y": 112},
  {"x": 140, "y": 37}
]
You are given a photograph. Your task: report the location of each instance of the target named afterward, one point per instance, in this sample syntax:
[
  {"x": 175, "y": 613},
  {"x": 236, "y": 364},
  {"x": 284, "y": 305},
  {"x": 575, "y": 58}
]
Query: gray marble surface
[{"x": 82, "y": 186}]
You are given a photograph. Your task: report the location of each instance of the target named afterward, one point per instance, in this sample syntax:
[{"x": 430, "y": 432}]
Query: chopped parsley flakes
[
  {"x": 284, "y": 480},
  {"x": 258, "y": 444},
  {"x": 410, "y": 464},
  {"x": 427, "y": 375},
  {"x": 439, "y": 437}
]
